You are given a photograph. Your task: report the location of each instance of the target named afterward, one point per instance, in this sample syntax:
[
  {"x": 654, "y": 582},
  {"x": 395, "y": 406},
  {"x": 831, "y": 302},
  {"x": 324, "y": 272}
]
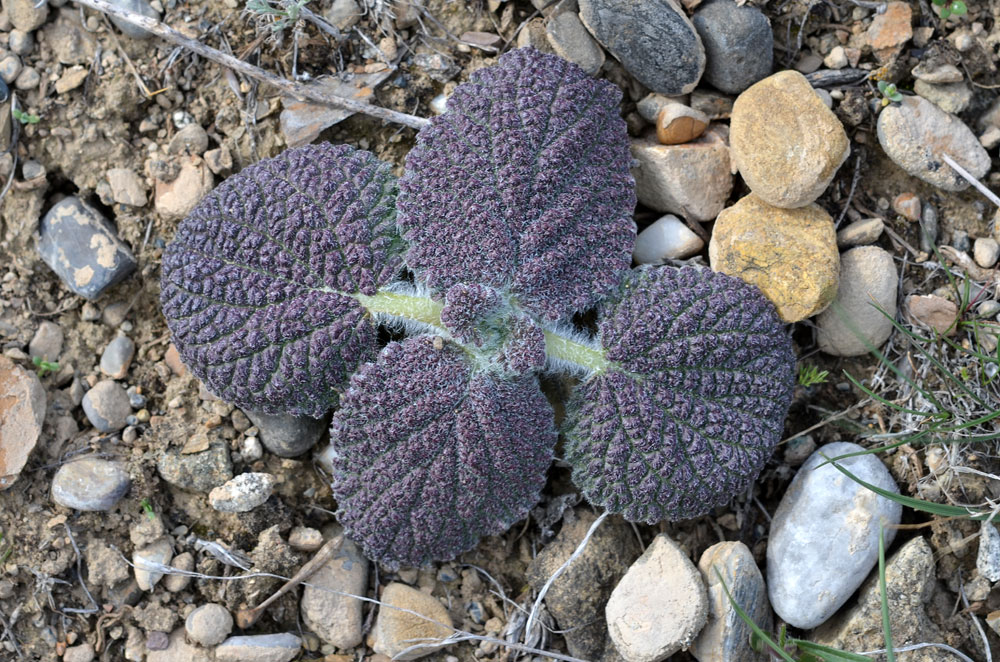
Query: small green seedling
[
  {"x": 147, "y": 507},
  {"x": 44, "y": 367},
  {"x": 810, "y": 375},
  {"x": 23, "y": 117},
  {"x": 951, "y": 8},
  {"x": 889, "y": 93}
]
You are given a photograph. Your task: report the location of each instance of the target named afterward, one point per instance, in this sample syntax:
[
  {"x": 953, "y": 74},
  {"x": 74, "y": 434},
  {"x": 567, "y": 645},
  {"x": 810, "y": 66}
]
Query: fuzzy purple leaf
[
  {"x": 257, "y": 283},
  {"x": 431, "y": 456},
  {"x": 523, "y": 185},
  {"x": 694, "y": 403}
]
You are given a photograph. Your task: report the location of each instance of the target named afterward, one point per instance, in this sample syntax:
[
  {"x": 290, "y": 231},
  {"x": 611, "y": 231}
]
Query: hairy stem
[{"x": 565, "y": 349}]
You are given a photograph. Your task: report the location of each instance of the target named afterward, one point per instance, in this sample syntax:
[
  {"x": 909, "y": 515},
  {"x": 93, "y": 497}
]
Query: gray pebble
[
  {"x": 336, "y": 618},
  {"x": 198, "y": 472},
  {"x": 89, "y": 312},
  {"x": 20, "y": 42},
  {"x": 798, "y": 450},
  {"x": 928, "y": 228},
  {"x": 107, "y": 406},
  {"x": 47, "y": 342},
  {"x": 192, "y": 139},
  {"x": 90, "y": 484},
  {"x": 738, "y": 44},
  {"x": 141, "y": 7},
  {"x": 569, "y": 39},
  {"x": 81, "y": 653},
  {"x": 114, "y": 314},
  {"x": 988, "y": 558},
  {"x": 10, "y": 67},
  {"x": 177, "y": 583},
  {"x": 860, "y": 233},
  {"x": 960, "y": 240},
  {"x": 988, "y": 308},
  {"x": 28, "y": 79},
  {"x": 653, "y": 39},
  {"x": 824, "y": 535},
  {"x": 251, "y": 449},
  {"x": 286, "y": 435},
  {"x": 852, "y": 324},
  {"x": 259, "y": 648},
  {"x": 32, "y": 169},
  {"x": 158, "y": 552},
  {"x": 242, "y": 493},
  {"x": 117, "y": 357},
  {"x": 81, "y": 246},
  {"x": 209, "y": 625}
]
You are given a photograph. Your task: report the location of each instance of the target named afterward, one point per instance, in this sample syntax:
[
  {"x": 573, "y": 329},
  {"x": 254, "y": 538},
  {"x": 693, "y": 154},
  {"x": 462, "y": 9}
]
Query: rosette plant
[{"x": 514, "y": 214}]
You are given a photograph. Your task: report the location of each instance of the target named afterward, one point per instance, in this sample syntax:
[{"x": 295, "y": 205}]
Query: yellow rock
[
  {"x": 396, "y": 630},
  {"x": 790, "y": 254},
  {"x": 785, "y": 141}
]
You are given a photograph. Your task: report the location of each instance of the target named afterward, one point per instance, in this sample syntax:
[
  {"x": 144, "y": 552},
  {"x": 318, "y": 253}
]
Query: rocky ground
[{"x": 112, "y": 454}]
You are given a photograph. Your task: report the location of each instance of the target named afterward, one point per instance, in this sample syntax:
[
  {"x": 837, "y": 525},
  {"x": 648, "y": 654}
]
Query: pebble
[
  {"x": 141, "y": 7},
  {"x": 177, "y": 583},
  {"x": 786, "y": 143},
  {"x": 986, "y": 250},
  {"x": 799, "y": 245},
  {"x": 114, "y": 314},
  {"x": 47, "y": 342},
  {"x": 937, "y": 73},
  {"x": 738, "y": 44},
  {"x": 933, "y": 311},
  {"x": 649, "y": 106},
  {"x": 670, "y": 64},
  {"x": 28, "y": 79},
  {"x": 577, "y": 597},
  {"x": 890, "y": 30},
  {"x": 259, "y": 648},
  {"x": 175, "y": 199},
  {"x": 570, "y": 40},
  {"x": 197, "y": 472},
  {"x": 90, "y": 484},
  {"x": 20, "y": 42},
  {"x": 907, "y": 205},
  {"x": 535, "y": 35},
  {"x": 25, "y": 15},
  {"x": 960, "y": 240},
  {"x": 177, "y": 650},
  {"x": 914, "y": 133},
  {"x": 117, "y": 357},
  {"x": 344, "y": 14},
  {"x": 305, "y": 539},
  {"x": 242, "y": 493},
  {"x": 910, "y": 577},
  {"x": 988, "y": 556},
  {"x": 824, "y": 535},
  {"x": 107, "y": 406},
  {"x": 126, "y": 187},
  {"x": 81, "y": 653},
  {"x": 22, "y": 412},
  {"x": 860, "y": 233},
  {"x": 799, "y": 449},
  {"x": 337, "y": 619},
  {"x": 659, "y": 606},
  {"x": 285, "y": 435},
  {"x": 71, "y": 79},
  {"x": 219, "y": 161},
  {"x": 988, "y": 308},
  {"x": 853, "y": 324},
  {"x": 990, "y": 138},
  {"x": 677, "y": 124},
  {"x": 191, "y": 140},
  {"x": 716, "y": 105},
  {"x": 836, "y": 58},
  {"x": 668, "y": 238},
  {"x": 160, "y": 551},
  {"x": 209, "y": 625},
  {"x": 949, "y": 97},
  {"x": 251, "y": 449},
  {"x": 10, "y": 67},
  {"x": 692, "y": 180},
  {"x": 726, "y": 637},
  {"x": 928, "y": 228},
  {"x": 394, "y": 629},
  {"x": 81, "y": 246}
]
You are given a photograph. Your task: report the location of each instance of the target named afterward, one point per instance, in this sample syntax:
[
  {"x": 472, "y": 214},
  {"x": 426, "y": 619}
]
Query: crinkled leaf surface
[
  {"x": 431, "y": 457},
  {"x": 694, "y": 403},
  {"x": 524, "y": 185},
  {"x": 257, "y": 283}
]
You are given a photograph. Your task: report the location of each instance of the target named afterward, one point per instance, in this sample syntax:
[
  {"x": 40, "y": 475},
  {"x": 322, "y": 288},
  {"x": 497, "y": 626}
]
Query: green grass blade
[
  {"x": 875, "y": 396},
  {"x": 890, "y": 655},
  {"x": 941, "y": 509},
  {"x": 745, "y": 617}
]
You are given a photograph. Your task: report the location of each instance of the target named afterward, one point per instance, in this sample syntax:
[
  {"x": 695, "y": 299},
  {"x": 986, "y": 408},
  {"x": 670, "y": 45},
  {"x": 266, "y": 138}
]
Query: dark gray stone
[
  {"x": 738, "y": 44},
  {"x": 140, "y": 7},
  {"x": 653, "y": 39},
  {"x": 199, "y": 472},
  {"x": 107, "y": 406},
  {"x": 81, "y": 246},
  {"x": 285, "y": 435},
  {"x": 90, "y": 484}
]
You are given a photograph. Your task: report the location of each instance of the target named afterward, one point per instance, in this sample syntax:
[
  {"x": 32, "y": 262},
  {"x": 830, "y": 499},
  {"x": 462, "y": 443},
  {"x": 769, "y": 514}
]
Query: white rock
[
  {"x": 209, "y": 624},
  {"x": 986, "y": 250},
  {"x": 988, "y": 558},
  {"x": 659, "y": 606},
  {"x": 668, "y": 238},
  {"x": 160, "y": 551},
  {"x": 242, "y": 493},
  {"x": 259, "y": 648},
  {"x": 824, "y": 535},
  {"x": 852, "y": 323}
]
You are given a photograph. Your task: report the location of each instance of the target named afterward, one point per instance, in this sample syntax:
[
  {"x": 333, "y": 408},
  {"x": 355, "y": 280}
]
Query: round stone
[
  {"x": 209, "y": 625},
  {"x": 90, "y": 484},
  {"x": 242, "y": 494},
  {"x": 853, "y": 324},
  {"x": 738, "y": 43},
  {"x": 107, "y": 406}
]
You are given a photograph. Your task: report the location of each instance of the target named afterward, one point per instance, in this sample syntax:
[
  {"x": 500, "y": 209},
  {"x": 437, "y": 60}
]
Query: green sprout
[
  {"x": 23, "y": 117},
  {"x": 810, "y": 375},
  {"x": 951, "y": 8},
  {"x": 148, "y": 508},
  {"x": 889, "y": 93},
  {"x": 44, "y": 367}
]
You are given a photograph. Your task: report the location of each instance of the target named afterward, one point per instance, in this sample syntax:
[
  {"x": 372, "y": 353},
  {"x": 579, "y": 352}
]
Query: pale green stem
[{"x": 428, "y": 311}]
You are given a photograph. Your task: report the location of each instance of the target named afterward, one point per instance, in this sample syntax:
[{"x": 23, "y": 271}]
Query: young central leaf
[
  {"x": 257, "y": 283},
  {"x": 430, "y": 456},
  {"x": 695, "y": 399},
  {"x": 523, "y": 185}
]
